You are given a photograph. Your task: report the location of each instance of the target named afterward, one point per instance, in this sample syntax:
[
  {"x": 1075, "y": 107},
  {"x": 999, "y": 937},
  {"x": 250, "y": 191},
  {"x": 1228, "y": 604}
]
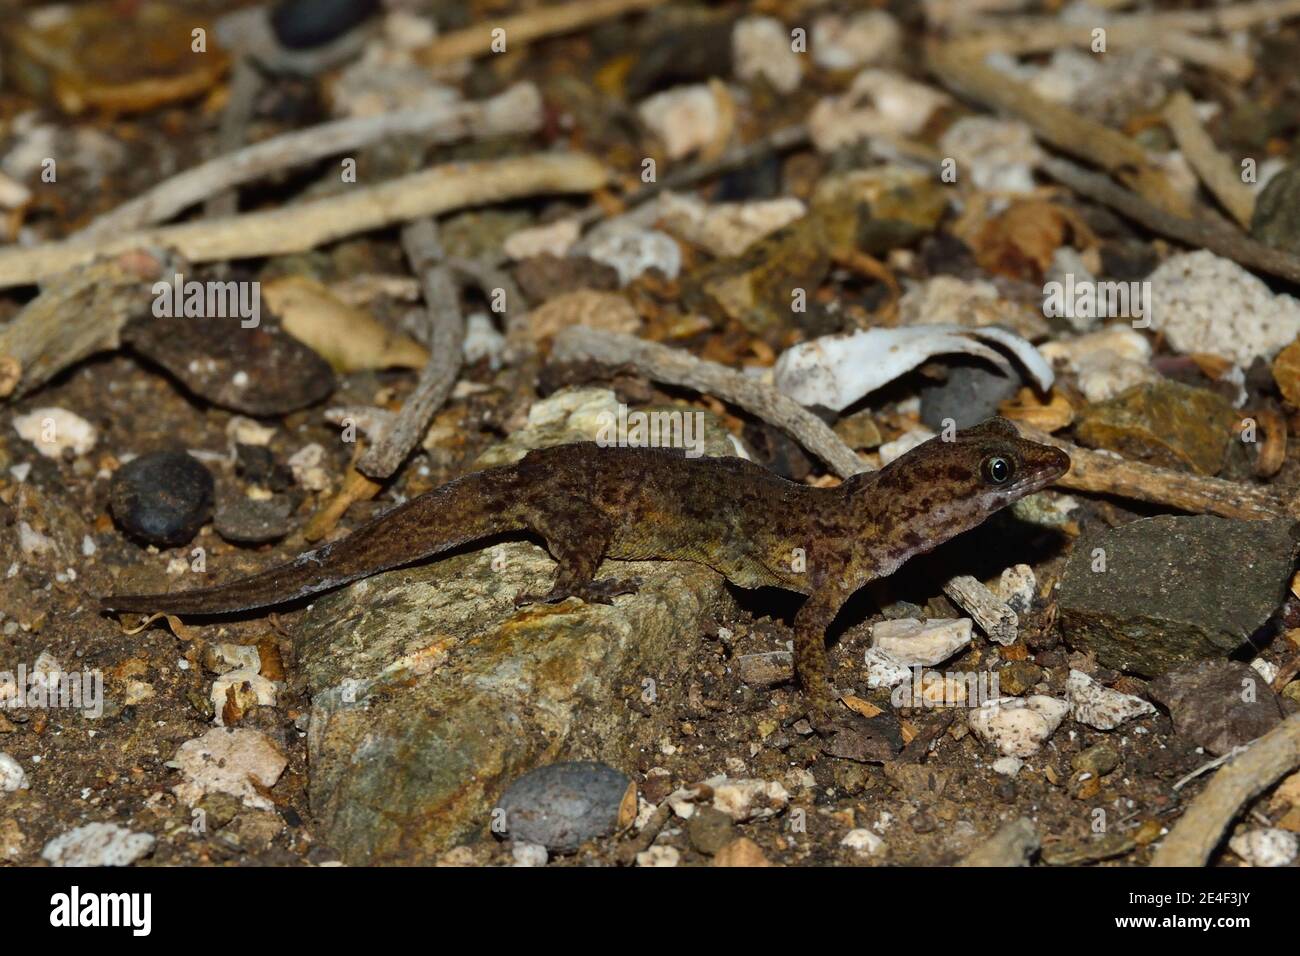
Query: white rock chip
[
  {"x": 483, "y": 341},
  {"x": 529, "y": 854},
  {"x": 863, "y": 842},
  {"x": 883, "y": 670},
  {"x": 921, "y": 643},
  {"x": 1265, "y": 669},
  {"x": 631, "y": 252},
  {"x": 97, "y": 844},
  {"x": 1205, "y": 303},
  {"x": 228, "y": 760},
  {"x": 684, "y": 118},
  {"x": 748, "y": 799},
  {"x": 1016, "y": 726},
  {"x": 12, "y": 775},
  {"x": 854, "y": 41},
  {"x": 1099, "y": 706},
  {"x": 246, "y": 431},
  {"x": 993, "y": 154},
  {"x": 659, "y": 856},
  {"x": 726, "y": 229},
  {"x": 1017, "y": 587},
  {"x": 972, "y": 303},
  {"x": 557, "y": 238},
  {"x": 51, "y": 430},
  {"x": 1266, "y": 846},
  {"x": 762, "y": 47},
  {"x": 249, "y": 686},
  {"x": 1105, "y": 362},
  {"x": 307, "y": 468},
  {"x": 1008, "y": 766},
  {"x": 877, "y": 103}
]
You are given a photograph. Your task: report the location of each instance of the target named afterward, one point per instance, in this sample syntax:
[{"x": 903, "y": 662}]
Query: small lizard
[{"x": 589, "y": 502}]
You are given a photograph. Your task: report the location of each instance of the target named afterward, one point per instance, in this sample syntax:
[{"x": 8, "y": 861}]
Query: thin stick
[
  {"x": 1195, "y": 836},
  {"x": 1020, "y": 31},
  {"x": 446, "y": 344},
  {"x": 523, "y": 28},
  {"x": 1216, "y": 170},
  {"x": 310, "y": 224},
  {"x": 1197, "y": 233},
  {"x": 516, "y": 110},
  {"x": 963, "y": 70},
  {"x": 245, "y": 86},
  {"x": 1101, "y": 473},
  {"x": 677, "y": 367}
]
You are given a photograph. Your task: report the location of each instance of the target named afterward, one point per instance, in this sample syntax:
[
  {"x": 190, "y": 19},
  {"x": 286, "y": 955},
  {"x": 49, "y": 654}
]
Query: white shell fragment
[
  {"x": 1016, "y": 726},
  {"x": 1267, "y": 846},
  {"x": 684, "y": 118},
  {"x": 52, "y": 430},
  {"x": 863, "y": 842},
  {"x": 921, "y": 643},
  {"x": 761, "y": 47},
  {"x": 836, "y": 370},
  {"x": 97, "y": 844},
  {"x": 12, "y": 775},
  {"x": 877, "y": 103},
  {"x": 1099, "y": 706}
]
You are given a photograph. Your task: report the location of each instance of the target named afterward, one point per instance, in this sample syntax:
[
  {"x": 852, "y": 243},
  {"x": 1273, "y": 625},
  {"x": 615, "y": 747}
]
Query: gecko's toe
[{"x": 604, "y": 591}]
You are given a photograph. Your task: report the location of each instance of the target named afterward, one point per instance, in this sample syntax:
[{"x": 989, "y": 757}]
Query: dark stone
[
  {"x": 1217, "y": 705},
  {"x": 1174, "y": 589},
  {"x": 245, "y": 520},
  {"x": 709, "y": 830},
  {"x": 304, "y": 24},
  {"x": 1276, "y": 220},
  {"x": 563, "y": 805},
  {"x": 258, "y": 466},
  {"x": 542, "y": 278},
  {"x": 970, "y": 394},
  {"x": 162, "y": 498},
  {"x": 1097, "y": 760}
]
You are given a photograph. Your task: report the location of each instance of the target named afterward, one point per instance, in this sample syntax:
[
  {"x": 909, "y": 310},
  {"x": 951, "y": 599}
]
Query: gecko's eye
[{"x": 996, "y": 469}]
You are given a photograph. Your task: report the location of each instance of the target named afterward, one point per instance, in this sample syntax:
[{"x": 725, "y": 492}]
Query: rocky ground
[{"x": 863, "y": 208}]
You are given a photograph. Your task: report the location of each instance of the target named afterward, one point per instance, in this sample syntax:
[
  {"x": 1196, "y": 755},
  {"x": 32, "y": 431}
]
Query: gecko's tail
[{"x": 470, "y": 508}]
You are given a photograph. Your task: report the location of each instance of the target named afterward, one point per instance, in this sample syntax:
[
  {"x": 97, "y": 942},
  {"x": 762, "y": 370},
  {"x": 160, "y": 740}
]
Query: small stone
[
  {"x": 529, "y": 854},
  {"x": 1019, "y": 678},
  {"x": 304, "y": 24},
  {"x": 1099, "y": 706},
  {"x": 544, "y": 277},
  {"x": 659, "y": 856},
  {"x": 1167, "y": 423},
  {"x": 563, "y": 805},
  {"x": 1018, "y": 727},
  {"x": 307, "y": 466},
  {"x": 162, "y": 498},
  {"x": 1008, "y": 766},
  {"x": 741, "y": 852},
  {"x": 1205, "y": 303},
  {"x": 850, "y": 42},
  {"x": 921, "y": 643},
  {"x": 726, "y": 229},
  {"x": 226, "y": 760},
  {"x": 877, "y": 103},
  {"x": 1286, "y": 372},
  {"x": 1088, "y": 851},
  {"x": 12, "y": 775},
  {"x": 885, "y": 670},
  {"x": 1098, "y": 760},
  {"x": 684, "y": 119},
  {"x": 766, "y": 669},
  {"x": 1276, "y": 219},
  {"x": 1018, "y": 587},
  {"x": 863, "y": 842},
  {"x": 709, "y": 830},
  {"x": 632, "y": 252},
  {"x": 1217, "y": 704},
  {"x": 609, "y": 311},
  {"x": 1266, "y": 846},
  {"x": 482, "y": 341},
  {"x": 969, "y": 394},
  {"x": 996, "y": 154},
  {"x": 52, "y": 431},
  {"x": 761, "y": 48},
  {"x": 554, "y": 238},
  {"x": 1105, "y": 363},
  {"x": 1152, "y": 594},
  {"x": 749, "y": 799},
  {"x": 97, "y": 844},
  {"x": 245, "y": 520}
]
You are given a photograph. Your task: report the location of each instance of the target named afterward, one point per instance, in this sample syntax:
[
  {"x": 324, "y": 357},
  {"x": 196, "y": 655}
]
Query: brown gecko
[{"x": 588, "y": 503}]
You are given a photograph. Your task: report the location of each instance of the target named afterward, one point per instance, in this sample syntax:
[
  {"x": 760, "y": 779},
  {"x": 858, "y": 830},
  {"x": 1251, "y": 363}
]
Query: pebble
[
  {"x": 659, "y": 856},
  {"x": 992, "y": 154},
  {"x": 1217, "y": 704},
  {"x": 1018, "y": 727},
  {"x": 162, "y": 498},
  {"x": 850, "y": 42},
  {"x": 968, "y": 395},
  {"x": 226, "y": 760},
  {"x": 684, "y": 119},
  {"x": 304, "y": 24},
  {"x": 245, "y": 520},
  {"x": 900, "y": 446},
  {"x": 563, "y": 805},
  {"x": 761, "y": 47},
  {"x": 52, "y": 431},
  {"x": 97, "y": 844},
  {"x": 12, "y": 775},
  {"x": 529, "y": 854},
  {"x": 610, "y": 311},
  {"x": 631, "y": 252},
  {"x": 1017, "y": 587},
  {"x": 544, "y": 277},
  {"x": 1164, "y": 422},
  {"x": 483, "y": 341},
  {"x": 748, "y": 799},
  {"x": 885, "y": 670},
  {"x": 1008, "y": 766},
  {"x": 971, "y": 303},
  {"x": 1152, "y": 594},
  {"x": 1019, "y": 678},
  {"x": 1205, "y": 303},
  {"x": 725, "y": 230},
  {"x": 766, "y": 669},
  {"x": 553, "y": 238},
  {"x": 1106, "y": 362},
  {"x": 1266, "y": 846},
  {"x": 1098, "y": 706},
  {"x": 709, "y": 830},
  {"x": 863, "y": 842},
  {"x": 921, "y": 643},
  {"x": 741, "y": 851},
  {"x": 1097, "y": 761},
  {"x": 877, "y": 103},
  {"x": 307, "y": 468},
  {"x": 1276, "y": 219}
]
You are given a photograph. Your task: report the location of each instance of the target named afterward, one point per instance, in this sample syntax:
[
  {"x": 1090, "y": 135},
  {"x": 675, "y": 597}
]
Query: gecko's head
[{"x": 947, "y": 487}]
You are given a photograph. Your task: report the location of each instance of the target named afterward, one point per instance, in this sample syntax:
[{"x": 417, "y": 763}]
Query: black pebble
[
  {"x": 162, "y": 498},
  {"x": 304, "y": 24}
]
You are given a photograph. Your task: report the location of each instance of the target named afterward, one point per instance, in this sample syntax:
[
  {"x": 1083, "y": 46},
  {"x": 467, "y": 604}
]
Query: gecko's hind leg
[{"x": 578, "y": 543}]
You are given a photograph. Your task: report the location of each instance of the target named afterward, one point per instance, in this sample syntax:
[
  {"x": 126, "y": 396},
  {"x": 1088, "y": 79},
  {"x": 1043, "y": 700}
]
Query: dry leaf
[
  {"x": 1021, "y": 241},
  {"x": 1050, "y": 415},
  {"x": 863, "y": 707}
]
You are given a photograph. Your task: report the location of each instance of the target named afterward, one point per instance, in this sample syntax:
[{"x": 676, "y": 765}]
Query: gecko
[{"x": 589, "y": 502}]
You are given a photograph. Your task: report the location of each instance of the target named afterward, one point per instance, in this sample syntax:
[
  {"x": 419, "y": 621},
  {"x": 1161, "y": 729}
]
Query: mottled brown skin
[{"x": 589, "y": 503}]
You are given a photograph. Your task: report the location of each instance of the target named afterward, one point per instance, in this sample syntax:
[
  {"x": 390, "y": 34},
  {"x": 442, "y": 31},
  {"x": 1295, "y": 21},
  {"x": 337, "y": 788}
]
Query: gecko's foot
[{"x": 593, "y": 592}]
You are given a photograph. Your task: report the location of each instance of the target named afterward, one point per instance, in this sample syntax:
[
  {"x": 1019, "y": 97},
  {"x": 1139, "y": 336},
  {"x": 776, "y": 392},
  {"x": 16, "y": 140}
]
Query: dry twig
[{"x": 1218, "y": 173}]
